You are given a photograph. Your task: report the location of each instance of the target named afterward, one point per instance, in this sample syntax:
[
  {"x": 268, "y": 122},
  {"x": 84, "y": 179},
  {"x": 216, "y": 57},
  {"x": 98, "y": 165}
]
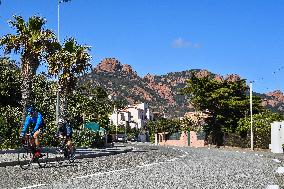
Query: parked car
[
  {"x": 122, "y": 138},
  {"x": 133, "y": 139}
]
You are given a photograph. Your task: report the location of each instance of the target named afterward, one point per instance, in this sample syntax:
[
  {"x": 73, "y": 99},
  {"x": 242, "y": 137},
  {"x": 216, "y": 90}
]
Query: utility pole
[
  {"x": 116, "y": 123},
  {"x": 156, "y": 134},
  {"x": 58, "y": 20},
  {"x": 58, "y": 38},
  {"x": 125, "y": 132},
  {"x": 251, "y": 119}
]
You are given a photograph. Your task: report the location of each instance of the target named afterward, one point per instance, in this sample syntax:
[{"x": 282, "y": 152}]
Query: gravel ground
[
  {"x": 155, "y": 167},
  {"x": 15, "y": 177}
]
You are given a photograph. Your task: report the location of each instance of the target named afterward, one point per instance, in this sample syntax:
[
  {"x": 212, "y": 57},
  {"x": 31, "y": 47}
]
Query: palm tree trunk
[
  {"x": 28, "y": 72},
  {"x": 25, "y": 89}
]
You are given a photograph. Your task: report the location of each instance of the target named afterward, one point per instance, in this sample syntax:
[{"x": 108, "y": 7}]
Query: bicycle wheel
[
  {"x": 42, "y": 161},
  {"x": 59, "y": 155},
  {"x": 71, "y": 155},
  {"x": 25, "y": 158}
]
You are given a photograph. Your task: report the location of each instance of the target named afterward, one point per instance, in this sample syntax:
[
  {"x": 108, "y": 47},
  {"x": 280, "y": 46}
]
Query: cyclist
[
  {"x": 34, "y": 120},
  {"x": 65, "y": 131}
]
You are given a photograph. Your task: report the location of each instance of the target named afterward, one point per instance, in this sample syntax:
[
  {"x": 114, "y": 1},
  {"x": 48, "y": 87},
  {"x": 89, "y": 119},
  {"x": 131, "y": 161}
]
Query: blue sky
[{"x": 245, "y": 37}]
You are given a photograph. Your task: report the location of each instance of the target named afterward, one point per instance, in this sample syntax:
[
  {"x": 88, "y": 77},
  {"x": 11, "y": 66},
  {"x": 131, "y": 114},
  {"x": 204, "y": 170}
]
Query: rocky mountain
[{"x": 159, "y": 91}]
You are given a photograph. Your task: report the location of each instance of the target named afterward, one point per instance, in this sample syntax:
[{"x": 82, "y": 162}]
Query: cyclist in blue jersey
[{"x": 35, "y": 122}]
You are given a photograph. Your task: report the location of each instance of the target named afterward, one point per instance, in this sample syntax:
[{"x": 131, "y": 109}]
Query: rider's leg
[
  {"x": 32, "y": 143},
  {"x": 70, "y": 147},
  {"x": 36, "y": 138},
  {"x": 69, "y": 143}
]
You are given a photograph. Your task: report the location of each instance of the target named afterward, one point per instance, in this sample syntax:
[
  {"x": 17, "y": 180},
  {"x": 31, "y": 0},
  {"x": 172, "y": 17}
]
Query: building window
[{"x": 122, "y": 117}]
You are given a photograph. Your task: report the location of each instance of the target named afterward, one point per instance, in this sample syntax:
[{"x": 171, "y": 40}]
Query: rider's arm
[
  {"x": 38, "y": 122},
  {"x": 26, "y": 124},
  {"x": 68, "y": 129}
]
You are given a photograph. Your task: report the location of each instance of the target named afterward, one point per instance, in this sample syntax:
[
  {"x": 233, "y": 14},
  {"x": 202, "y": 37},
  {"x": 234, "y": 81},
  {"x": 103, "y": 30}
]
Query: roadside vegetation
[{"x": 227, "y": 108}]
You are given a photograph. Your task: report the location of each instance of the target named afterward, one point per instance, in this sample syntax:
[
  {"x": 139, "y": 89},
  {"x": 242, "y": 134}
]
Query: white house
[{"x": 135, "y": 115}]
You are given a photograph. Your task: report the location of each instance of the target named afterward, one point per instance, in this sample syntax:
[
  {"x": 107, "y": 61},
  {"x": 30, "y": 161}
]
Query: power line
[{"x": 262, "y": 79}]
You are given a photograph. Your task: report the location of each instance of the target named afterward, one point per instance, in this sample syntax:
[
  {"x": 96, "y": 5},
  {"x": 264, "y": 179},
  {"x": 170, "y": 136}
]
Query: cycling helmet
[
  {"x": 60, "y": 120},
  {"x": 30, "y": 109}
]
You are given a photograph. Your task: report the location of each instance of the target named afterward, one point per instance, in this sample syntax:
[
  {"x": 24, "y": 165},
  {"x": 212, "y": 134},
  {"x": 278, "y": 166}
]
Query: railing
[{"x": 173, "y": 136}]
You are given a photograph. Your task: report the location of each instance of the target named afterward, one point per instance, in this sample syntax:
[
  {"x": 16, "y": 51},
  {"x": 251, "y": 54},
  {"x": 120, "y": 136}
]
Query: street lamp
[
  {"x": 112, "y": 99},
  {"x": 251, "y": 118},
  {"x": 116, "y": 122},
  {"x": 58, "y": 38},
  {"x": 125, "y": 131}
]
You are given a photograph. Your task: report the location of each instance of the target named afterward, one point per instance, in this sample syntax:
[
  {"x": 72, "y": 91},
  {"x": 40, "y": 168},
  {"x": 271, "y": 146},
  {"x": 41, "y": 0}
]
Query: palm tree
[
  {"x": 67, "y": 63},
  {"x": 32, "y": 42}
]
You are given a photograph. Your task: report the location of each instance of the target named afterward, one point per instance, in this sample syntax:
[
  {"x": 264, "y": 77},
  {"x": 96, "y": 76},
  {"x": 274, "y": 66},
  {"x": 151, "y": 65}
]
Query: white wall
[{"x": 277, "y": 137}]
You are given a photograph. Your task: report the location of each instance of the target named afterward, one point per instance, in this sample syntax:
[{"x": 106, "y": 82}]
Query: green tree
[
  {"x": 10, "y": 95},
  {"x": 67, "y": 63},
  {"x": 225, "y": 101},
  {"x": 10, "y": 82},
  {"x": 261, "y": 127},
  {"x": 187, "y": 124},
  {"x": 31, "y": 41},
  {"x": 44, "y": 99},
  {"x": 92, "y": 102}
]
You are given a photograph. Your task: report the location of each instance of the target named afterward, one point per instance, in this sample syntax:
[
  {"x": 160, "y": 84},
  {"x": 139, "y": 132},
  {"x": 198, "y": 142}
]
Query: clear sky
[{"x": 245, "y": 37}]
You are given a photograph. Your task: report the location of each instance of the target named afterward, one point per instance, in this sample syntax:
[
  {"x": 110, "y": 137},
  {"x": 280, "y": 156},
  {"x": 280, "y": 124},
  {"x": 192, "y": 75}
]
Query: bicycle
[
  {"x": 63, "y": 152},
  {"x": 27, "y": 156}
]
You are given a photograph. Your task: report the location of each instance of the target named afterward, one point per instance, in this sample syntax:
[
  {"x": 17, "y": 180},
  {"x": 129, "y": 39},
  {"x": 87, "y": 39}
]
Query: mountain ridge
[{"x": 160, "y": 91}]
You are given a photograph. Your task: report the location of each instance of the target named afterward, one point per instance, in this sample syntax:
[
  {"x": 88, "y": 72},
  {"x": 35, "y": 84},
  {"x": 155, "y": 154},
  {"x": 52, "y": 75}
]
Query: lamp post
[
  {"x": 58, "y": 38},
  {"x": 125, "y": 132},
  {"x": 251, "y": 119},
  {"x": 110, "y": 97},
  {"x": 57, "y": 93},
  {"x": 58, "y": 86},
  {"x": 116, "y": 122},
  {"x": 156, "y": 134}
]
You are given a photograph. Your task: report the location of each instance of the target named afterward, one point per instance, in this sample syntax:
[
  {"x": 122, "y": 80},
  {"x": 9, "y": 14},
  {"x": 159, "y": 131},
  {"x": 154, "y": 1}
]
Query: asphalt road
[{"x": 154, "y": 167}]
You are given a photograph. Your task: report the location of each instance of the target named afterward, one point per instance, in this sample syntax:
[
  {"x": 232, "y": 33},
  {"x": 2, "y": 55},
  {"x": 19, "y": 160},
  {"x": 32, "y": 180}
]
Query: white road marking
[
  {"x": 280, "y": 170},
  {"x": 148, "y": 165},
  {"x": 277, "y": 160},
  {"x": 174, "y": 159},
  {"x": 139, "y": 166},
  {"x": 272, "y": 187},
  {"x": 114, "y": 171},
  {"x": 100, "y": 173},
  {"x": 33, "y": 186}
]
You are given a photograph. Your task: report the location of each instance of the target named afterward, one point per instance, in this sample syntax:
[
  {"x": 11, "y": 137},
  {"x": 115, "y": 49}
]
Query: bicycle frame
[
  {"x": 26, "y": 155},
  {"x": 64, "y": 150}
]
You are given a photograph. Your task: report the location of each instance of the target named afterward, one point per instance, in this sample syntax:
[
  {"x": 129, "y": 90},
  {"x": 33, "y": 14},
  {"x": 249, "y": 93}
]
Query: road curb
[{"x": 94, "y": 154}]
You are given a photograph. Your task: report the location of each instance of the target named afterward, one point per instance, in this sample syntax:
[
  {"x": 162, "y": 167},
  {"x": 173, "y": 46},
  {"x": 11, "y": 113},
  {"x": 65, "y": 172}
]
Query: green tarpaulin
[{"x": 93, "y": 126}]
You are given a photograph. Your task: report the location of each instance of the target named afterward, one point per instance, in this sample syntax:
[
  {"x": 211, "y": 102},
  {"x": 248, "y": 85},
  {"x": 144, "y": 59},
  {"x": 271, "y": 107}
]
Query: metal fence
[{"x": 173, "y": 136}]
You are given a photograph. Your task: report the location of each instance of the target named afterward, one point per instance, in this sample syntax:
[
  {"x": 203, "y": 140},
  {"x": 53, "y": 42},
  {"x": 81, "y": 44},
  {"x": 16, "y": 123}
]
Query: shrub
[{"x": 261, "y": 128}]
